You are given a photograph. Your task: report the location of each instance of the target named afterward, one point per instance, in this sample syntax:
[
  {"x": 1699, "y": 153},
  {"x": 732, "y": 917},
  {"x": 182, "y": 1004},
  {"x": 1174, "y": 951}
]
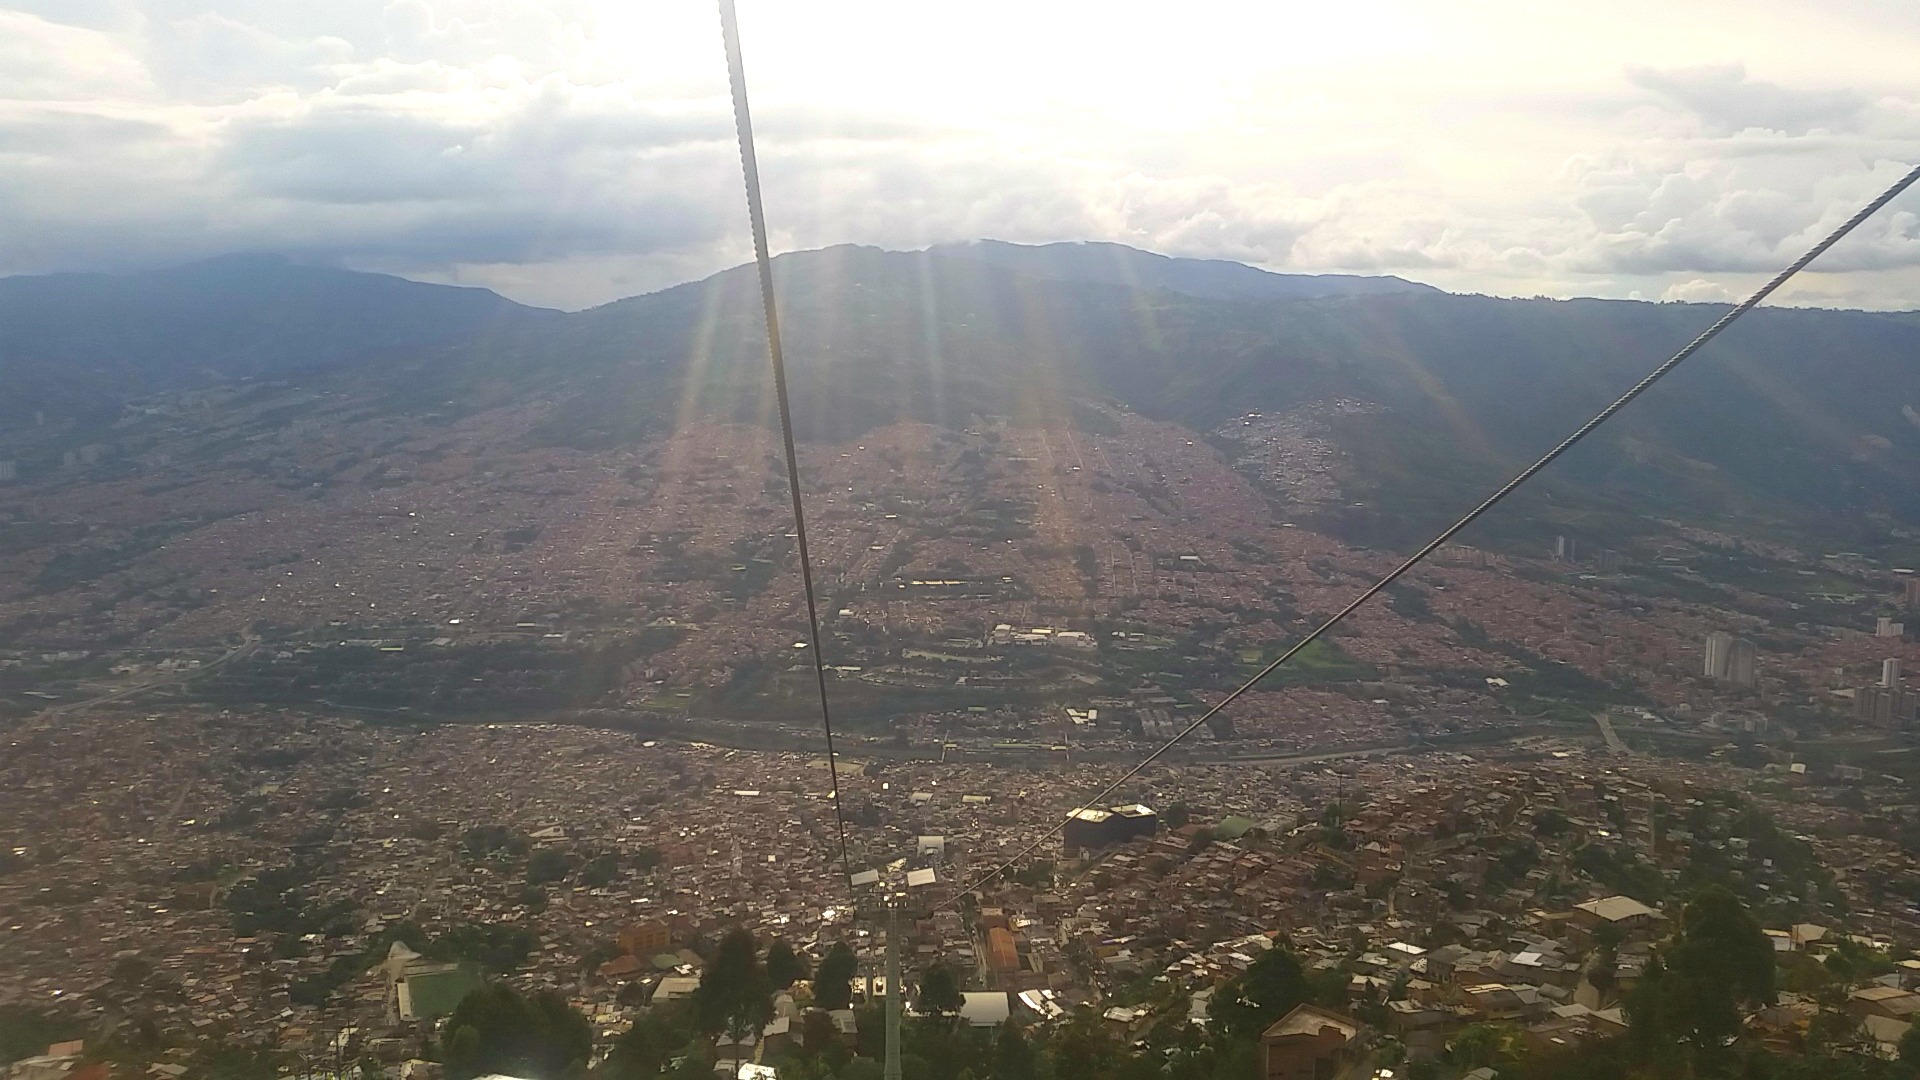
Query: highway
[{"x": 54, "y": 712}]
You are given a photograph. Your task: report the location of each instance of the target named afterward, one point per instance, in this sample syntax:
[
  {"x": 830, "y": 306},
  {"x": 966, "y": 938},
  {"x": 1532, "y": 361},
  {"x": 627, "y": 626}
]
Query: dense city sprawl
[{"x": 327, "y": 741}]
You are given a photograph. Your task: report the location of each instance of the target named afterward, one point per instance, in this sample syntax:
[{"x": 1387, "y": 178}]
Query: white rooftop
[{"x": 1616, "y": 908}]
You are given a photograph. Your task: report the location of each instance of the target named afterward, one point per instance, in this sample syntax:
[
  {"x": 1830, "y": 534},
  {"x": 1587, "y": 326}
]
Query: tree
[
  {"x": 1594, "y": 1059},
  {"x": 1484, "y": 1045},
  {"x": 734, "y": 996},
  {"x": 217, "y": 1059},
  {"x": 599, "y": 954},
  {"x": 821, "y": 1037},
  {"x": 1082, "y": 1050},
  {"x": 1603, "y": 968},
  {"x": 1840, "y": 966},
  {"x": 646, "y": 1047},
  {"x": 1603, "y": 971},
  {"x": 547, "y": 866},
  {"x": 1177, "y": 816},
  {"x": 1685, "y": 1011},
  {"x": 1910, "y": 1050},
  {"x": 1655, "y": 1009},
  {"x": 784, "y": 968},
  {"x": 495, "y": 946},
  {"x": 698, "y": 1064},
  {"x": 1236, "y": 1061},
  {"x": 1037, "y": 874},
  {"x": 833, "y": 980},
  {"x": 495, "y": 1030},
  {"x": 1013, "y": 1056},
  {"x": 1246, "y": 1006},
  {"x": 1327, "y": 987},
  {"x": 940, "y": 991},
  {"x": 26, "y": 1031},
  {"x": 1723, "y": 961},
  {"x": 600, "y": 871},
  {"x": 132, "y": 970}
]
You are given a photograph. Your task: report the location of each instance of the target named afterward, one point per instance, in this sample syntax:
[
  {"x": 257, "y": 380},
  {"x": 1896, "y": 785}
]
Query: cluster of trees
[
  {"x": 736, "y": 993},
  {"x": 511, "y": 851},
  {"x": 735, "y": 996},
  {"x": 1685, "y": 1018},
  {"x": 495, "y": 1030},
  {"x": 26, "y": 1031},
  {"x": 1685, "y": 1022},
  {"x": 490, "y": 678},
  {"x": 493, "y": 947},
  {"x": 1270, "y": 988},
  {"x": 275, "y": 900}
]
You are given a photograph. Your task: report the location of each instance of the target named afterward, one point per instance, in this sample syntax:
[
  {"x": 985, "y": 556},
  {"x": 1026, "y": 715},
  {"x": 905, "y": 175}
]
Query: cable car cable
[
  {"x": 757, "y": 219},
  {"x": 1505, "y": 490}
]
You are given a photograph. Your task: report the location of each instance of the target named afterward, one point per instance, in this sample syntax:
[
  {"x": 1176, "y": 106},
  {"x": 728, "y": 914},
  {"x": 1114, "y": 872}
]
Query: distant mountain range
[
  {"x": 86, "y": 342},
  {"x": 1117, "y": 264},
  {"x": 1802, "y": 419}
]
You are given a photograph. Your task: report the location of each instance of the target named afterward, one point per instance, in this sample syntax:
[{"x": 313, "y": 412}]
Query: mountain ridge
[
  {"x": 1792, "y": 415},
  {"x": 88, "y": 342},
  {"x": 1118, "y": 264}
]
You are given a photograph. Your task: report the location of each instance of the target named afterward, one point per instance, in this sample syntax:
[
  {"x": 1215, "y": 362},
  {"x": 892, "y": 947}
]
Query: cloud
[
  {"x": 1739, "y": 215},
  {"x": 1726, "y": 100},
  {"x": 45, "y": 60},
  {"x": 211, "y": 58},
  {"x": 545, "y": 141},
  {"x": 1210, "y": 217},
  {"x": 537, "y": 35},
  {"x": 1700, "y": 291},
  {"x": 571, "y": 151}
]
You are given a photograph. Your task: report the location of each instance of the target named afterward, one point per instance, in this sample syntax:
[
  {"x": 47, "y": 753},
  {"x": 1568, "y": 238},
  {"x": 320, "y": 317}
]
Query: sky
[{"x": 570, "y": 152}]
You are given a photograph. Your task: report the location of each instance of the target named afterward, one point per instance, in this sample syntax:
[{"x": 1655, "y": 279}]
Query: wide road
[{"x": 54, "y": 712}]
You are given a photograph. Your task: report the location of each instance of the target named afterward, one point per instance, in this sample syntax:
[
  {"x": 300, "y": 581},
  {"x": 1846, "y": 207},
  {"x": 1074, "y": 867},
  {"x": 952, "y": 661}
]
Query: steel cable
[
  {"x": 1505, "y": 490},
  {"x": 757, "y": 218}
]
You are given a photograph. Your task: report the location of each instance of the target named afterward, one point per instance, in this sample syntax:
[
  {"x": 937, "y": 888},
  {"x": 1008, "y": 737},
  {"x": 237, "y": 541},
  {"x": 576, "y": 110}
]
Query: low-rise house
[
  {"x": 1309, "y": 1043},
  {"x": 1887, "y": 1001},
  {"x": 1624, "y": 913}
]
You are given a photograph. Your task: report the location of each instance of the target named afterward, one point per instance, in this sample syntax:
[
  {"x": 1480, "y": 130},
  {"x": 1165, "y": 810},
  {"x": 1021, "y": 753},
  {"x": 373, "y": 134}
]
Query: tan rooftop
[
  {"x": 1616, "y": 909},
  {"x": 1311, "y": 1020}
]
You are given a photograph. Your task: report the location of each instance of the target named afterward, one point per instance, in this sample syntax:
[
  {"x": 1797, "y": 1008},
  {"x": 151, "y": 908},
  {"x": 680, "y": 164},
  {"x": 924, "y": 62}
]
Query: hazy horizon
[
  {"x": 1806, "y": 302},
  {"x": 567, "y": 153}
]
